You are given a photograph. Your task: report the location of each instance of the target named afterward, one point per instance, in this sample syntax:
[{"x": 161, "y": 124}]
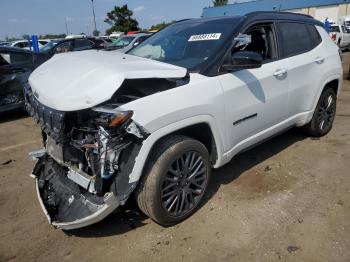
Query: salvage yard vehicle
[
  {"x": 126, "y": 43},
  {"x": 25, "y": 44},
  {"x": 153, "y": 122},
  {"x": 340, "y": 36},
  {"x": 73, "y": 44},
  {"x": 15, "y": 67}
]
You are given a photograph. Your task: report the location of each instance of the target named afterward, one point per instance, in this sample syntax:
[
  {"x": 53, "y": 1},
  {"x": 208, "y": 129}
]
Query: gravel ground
[{"x": 286, "y": 200}]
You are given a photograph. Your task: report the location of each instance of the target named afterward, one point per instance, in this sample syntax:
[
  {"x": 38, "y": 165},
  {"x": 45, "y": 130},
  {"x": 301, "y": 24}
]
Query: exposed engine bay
[
  {"x": 87, "y": 160},
  {"x": 133, "y": 89}
]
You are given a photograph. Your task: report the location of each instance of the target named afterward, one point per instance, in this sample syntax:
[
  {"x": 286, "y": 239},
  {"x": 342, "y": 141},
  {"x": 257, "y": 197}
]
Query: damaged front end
[{"x": 82, "y": 175}]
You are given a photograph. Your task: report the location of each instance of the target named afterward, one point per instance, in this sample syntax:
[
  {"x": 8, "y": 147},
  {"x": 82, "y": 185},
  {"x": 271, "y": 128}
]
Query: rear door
[
  {"x": 306, "y": 63},
  {"x": 256, "y": 99}
]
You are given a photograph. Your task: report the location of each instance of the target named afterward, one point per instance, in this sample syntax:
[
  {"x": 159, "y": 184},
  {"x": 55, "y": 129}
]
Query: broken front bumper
[{"x": 64, "y": 203}]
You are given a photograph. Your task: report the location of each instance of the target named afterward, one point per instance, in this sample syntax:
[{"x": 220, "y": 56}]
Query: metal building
[{"x": 335, "y": 10}]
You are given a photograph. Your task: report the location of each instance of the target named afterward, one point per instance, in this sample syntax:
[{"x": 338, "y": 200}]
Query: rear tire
[
  {"x": 175, "y": 180},
  {"x": 323, "y": 118}
]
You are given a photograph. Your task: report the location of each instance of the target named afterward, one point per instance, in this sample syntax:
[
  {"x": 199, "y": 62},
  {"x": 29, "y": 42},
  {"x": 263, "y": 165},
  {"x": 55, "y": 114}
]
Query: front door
[{"x": 256, "y": 99}]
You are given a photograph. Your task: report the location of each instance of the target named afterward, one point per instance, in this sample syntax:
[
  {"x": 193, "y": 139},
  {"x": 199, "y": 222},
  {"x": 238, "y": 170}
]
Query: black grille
[{"x": 50, "y": 120}]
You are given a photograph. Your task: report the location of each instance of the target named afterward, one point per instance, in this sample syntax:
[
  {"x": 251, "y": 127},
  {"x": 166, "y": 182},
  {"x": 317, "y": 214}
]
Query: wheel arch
[
  {"x": 208, "y": 135},
  {"x": 333, "y": 82},
  {"x": 201, "y": 132}
]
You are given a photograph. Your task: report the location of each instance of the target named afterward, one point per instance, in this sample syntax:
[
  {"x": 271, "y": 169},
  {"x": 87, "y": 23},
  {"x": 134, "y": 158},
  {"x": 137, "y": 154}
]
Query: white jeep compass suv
[{"x": 152, "y": 123}]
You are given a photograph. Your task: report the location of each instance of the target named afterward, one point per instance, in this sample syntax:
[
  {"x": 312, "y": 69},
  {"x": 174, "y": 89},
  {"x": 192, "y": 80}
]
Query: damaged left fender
[{"x": 83, "y": 173}]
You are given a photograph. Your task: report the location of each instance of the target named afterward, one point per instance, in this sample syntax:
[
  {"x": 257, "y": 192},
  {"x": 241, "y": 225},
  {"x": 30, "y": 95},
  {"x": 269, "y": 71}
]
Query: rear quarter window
[
  {"x": 298, "y": 38},
  {"x": 314, "y": 36}
]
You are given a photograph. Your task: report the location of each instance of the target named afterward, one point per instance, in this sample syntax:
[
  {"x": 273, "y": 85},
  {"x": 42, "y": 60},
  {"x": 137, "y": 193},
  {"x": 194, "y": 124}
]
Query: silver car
[{"x": 127, "y": 42}]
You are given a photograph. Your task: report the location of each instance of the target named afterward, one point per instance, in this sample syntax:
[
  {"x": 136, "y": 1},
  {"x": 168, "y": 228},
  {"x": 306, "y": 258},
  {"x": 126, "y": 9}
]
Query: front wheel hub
[{"x": 184, "y": 184}]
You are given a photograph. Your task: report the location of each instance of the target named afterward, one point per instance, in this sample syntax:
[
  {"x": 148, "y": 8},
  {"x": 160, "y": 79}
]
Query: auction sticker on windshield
[{"x": 204, "y": 37}]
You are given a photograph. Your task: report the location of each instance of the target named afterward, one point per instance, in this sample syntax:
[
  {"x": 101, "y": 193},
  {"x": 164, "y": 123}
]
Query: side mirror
[{"x": 244, "y": 60}]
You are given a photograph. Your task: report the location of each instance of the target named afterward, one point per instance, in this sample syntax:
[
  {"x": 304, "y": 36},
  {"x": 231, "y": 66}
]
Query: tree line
[{"x": 120, "y": 18}]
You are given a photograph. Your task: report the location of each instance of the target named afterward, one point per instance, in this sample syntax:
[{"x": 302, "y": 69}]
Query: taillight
[{"x": 334, "y": 37}]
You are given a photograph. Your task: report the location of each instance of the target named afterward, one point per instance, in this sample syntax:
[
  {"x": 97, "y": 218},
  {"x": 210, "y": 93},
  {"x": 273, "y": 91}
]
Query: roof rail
[
  {"x": 278, "y": 12},
  {"x": 186, "y": 19}
]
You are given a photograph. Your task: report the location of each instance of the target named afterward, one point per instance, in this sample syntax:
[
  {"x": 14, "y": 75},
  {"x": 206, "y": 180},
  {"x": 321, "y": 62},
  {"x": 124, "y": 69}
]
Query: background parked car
[
  {"x": 126, "y": 43},
  {"x": 340, "y": 35},
  {"x": 5, "y": 43},
  {"x": 73, "y": 44},
  {"x": 25, "y": 44},
  {"x": 15, "y": 67},
  {"x": 116, "y": 35}
]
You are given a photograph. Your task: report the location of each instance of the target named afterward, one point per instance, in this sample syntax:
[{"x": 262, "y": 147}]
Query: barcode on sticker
[{"x": 204, "y": 37}]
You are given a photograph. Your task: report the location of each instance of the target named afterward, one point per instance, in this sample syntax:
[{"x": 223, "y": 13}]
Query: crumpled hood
[{"x": 80, "y": 80}]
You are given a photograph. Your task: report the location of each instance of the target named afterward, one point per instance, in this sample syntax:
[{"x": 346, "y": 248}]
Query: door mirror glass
[{"x": 244, "y": 60}]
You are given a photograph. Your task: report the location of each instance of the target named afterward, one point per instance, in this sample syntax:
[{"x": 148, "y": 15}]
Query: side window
[
  {"x": 82, "y": 44},
  {"x": 5, "y": 59},
  {"x": 263, "y": 42},
  {"x": 314, "y": 36},
  {"x": 63, "y": 47},
  {"x": 296, "y": 38},
  {"x": 42, "y": 42},
  {"x": 20, "y": 45},
  {"x": 21, "y": 59}
]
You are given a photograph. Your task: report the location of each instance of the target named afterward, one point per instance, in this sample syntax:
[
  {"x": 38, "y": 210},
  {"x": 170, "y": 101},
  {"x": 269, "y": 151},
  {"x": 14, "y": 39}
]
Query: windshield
[
  {"x": 186, "y": 44},
  {"x": 123, "y": 41}
]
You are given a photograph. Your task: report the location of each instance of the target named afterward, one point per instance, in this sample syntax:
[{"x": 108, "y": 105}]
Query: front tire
[
  {"x": 323, "y": 118},
  {"x": 175, "y": 180}
]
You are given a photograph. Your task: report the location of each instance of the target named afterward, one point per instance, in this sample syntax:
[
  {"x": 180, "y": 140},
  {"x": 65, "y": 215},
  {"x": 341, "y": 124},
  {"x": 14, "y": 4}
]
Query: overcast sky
[{"x": 18, "y": 17}]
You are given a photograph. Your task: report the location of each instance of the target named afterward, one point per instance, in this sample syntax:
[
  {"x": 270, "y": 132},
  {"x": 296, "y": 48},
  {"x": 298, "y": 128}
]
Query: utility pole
[
  {"x": 66, "y": 26},
  {"x": 93, "y": 12},
  {"x": 87, "y": 30}
]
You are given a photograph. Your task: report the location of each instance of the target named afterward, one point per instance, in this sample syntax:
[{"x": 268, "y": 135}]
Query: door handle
[
  {"x": 319, "y": 60},
  {"x": 280, "y": 72}
]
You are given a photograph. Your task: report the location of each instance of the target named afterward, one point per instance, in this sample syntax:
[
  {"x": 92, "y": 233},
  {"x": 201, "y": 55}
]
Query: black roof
[
  {"x": 274, "y": 15},
  {"x": 212, "y": 19},
  {"x": 257, "y": 16}
]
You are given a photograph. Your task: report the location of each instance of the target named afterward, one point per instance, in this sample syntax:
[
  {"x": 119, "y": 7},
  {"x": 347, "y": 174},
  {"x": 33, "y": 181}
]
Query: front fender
[{"x": 147, "y": 145}]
